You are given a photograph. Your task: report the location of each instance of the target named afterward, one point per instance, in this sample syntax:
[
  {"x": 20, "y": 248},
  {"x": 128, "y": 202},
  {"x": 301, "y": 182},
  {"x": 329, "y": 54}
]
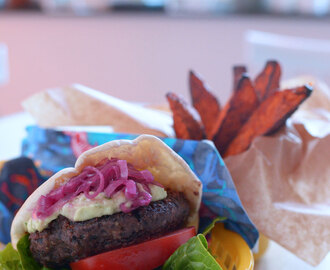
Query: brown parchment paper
[
  {"x": 284, "y": 180},
  {"x": 78, "y": 105}
]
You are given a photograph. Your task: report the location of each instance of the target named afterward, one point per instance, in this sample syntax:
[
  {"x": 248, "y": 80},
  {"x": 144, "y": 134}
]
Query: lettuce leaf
[
  {"x": 192, "y": 255},
  {"x": 10, "y": 259}
]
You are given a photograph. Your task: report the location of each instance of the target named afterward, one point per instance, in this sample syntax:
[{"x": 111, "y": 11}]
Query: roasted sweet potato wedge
[
  {"x": 238, "y": 73},
  {"x": 269, "y": 117},
  {"x": 268, "y": 81},
  {"x": 204, "y": 102},
  {"x": 187, "y": 123},
  {"x": 237, "y": 111}
]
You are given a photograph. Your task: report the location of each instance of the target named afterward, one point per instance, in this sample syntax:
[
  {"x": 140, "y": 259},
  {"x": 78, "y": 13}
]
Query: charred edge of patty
[{"x": 66, "y": 241}]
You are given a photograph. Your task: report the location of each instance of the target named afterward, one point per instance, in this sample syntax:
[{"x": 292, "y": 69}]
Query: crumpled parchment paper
[{"x": 284, "y": 180}]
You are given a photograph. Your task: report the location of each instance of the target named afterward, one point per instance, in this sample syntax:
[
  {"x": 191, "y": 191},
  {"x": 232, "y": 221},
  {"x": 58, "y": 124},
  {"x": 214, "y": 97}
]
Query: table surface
[{"x": 12, "y": 131}]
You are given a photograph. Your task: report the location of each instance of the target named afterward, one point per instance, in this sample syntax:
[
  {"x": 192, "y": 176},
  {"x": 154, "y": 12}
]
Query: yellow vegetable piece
[{"x": 230, "y": 249}]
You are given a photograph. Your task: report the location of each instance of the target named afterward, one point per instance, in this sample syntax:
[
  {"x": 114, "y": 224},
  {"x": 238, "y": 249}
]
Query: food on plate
[
  {"x": 187, "y": 122},
  {"x": 236, "y": 112},
  {"x": 238, "y": 72},
  {"x": 268, "y": 81},
  {"x": 99, "y": 234},
  {"x": 255, "y": 108},
  {"x": 270, "y": 115},
  {"x": 204, "y": 102},
  {"x": 119, "y": 196}
]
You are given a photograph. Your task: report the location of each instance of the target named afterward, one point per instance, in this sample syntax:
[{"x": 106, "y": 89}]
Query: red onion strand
[{"x": 109, "y": 176}]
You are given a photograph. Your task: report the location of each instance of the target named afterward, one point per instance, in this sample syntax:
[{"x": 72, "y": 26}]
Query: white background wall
[{"x": 134, "y": 57}]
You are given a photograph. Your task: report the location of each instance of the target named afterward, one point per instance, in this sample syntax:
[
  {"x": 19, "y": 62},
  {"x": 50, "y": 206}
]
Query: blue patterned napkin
[
  {"x": 18, "y": 179},
  {"x": 54, "y": 150}
]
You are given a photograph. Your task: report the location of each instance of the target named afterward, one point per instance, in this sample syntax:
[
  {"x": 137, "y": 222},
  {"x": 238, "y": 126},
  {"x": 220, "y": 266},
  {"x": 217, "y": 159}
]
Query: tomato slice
[{"x": 144, "y": 256}]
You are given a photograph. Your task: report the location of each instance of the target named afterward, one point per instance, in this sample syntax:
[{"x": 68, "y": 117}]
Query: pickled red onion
[{"x": 111, "y": 176}]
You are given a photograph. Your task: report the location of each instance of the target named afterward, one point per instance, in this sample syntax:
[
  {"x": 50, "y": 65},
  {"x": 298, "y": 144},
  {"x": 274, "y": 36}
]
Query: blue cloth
[
  {"x": 18, "y": 179},
  {"x": 55, "y": 150},
  {"x": 5, "y": 221}
]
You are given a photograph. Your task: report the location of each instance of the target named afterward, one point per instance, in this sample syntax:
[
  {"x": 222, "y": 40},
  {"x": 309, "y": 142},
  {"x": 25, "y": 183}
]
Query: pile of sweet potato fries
[{"x": 255, "y": 108}]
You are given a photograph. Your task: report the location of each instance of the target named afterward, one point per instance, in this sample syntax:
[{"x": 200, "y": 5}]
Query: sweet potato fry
[
  {"x": 204, "y": 102},
  {"x": 269, "y": 117},
  {"x": 238, "y": 73},
  {"x": 236, "y": 112},
  {"x": 187, "y": 123},
  {"x": 268, "y": 81}
]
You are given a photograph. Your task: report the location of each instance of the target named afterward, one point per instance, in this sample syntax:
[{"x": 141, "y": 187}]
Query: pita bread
[{"x": 144, "y": 153}]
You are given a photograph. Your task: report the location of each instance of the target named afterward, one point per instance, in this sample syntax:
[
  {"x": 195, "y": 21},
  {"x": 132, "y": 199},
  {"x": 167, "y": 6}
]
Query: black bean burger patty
[{"x": 66, "y": 241}]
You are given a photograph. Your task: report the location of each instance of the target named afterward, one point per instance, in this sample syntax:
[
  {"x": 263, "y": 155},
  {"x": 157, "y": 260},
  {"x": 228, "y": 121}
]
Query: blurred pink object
[{"x": 4, "y": 67}]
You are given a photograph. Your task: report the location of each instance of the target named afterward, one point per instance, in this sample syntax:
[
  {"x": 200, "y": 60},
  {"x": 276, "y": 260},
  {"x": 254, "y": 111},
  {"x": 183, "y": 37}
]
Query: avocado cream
[{"x": 81, "y": 208}]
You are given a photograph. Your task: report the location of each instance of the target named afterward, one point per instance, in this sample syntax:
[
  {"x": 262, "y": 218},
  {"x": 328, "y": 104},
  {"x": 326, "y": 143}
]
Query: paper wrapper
[
  {"x": 79, "y": 105},
  {"x": 284, "y": 180}
]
